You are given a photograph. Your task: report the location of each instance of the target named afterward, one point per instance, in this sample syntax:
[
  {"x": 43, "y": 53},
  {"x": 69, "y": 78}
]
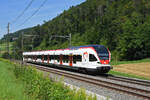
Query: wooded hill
[{"x": 121, "y": 25}]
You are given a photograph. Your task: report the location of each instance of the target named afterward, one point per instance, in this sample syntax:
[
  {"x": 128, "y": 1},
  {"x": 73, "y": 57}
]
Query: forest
[{"x": 123, "y": 26}]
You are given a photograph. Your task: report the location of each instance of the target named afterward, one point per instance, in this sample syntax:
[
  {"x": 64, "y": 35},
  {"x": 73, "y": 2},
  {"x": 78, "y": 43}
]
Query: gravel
[{"x": 108, "y": 93}]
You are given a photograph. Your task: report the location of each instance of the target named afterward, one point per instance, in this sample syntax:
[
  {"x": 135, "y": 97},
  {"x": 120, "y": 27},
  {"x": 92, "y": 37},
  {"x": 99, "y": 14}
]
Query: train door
[
  {"x": 35, "y": 58},
  {"x": 85, "y": 58},
  {"x": 61, "y": 59},
  {"x": 32, "y": 58},
  {"x": 70, "y": 60},
  {"x": 42, "y": 58},
  {"x": 48, "y": 59}
]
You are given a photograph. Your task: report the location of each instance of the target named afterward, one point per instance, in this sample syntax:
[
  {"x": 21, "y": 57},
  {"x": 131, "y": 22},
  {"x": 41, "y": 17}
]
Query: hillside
[{"x": 121, "y": 25}]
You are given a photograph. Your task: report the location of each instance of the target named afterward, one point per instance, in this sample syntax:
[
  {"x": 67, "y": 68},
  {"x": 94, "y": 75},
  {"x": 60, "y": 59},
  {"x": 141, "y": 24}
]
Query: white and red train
[{"x": 92, "y": 58}]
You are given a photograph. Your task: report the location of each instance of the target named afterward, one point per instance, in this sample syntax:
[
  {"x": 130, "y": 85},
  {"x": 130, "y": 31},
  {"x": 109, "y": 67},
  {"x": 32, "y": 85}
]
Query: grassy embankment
[
  {"x": 35, "y": 85},
  {"x": 135, "y": 69},
  {"x": 10, "y": 88}
]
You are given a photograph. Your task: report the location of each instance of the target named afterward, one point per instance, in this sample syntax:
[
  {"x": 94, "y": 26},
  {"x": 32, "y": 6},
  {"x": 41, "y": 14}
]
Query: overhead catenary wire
[
  {"x": 33, "y": 13},
  {"x": 21, "y": 14}
]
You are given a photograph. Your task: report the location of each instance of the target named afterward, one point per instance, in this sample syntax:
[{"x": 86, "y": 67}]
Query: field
[
  {"x": 137, "y": 69},
  {"x": 10, "y": 88}
]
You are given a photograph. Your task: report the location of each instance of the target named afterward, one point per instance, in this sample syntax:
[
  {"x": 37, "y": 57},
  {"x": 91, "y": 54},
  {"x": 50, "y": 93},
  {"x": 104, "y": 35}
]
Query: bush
[{"x": 42, "y": 88}]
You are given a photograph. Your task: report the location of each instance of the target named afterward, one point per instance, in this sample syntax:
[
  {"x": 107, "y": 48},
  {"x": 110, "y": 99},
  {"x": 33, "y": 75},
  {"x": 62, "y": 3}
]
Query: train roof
[
  {"x": 72, "y": 48},
  {"x": 77, "y": 47}
]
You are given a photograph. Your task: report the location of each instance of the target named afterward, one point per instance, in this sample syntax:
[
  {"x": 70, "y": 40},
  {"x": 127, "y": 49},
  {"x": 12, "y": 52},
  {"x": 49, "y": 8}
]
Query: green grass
[
  {"x": 130, "y": 62},
  {"x": 127, "y": 75},
  {"x": 10, "y": 88},
  {"x": 17, "y": 82}
]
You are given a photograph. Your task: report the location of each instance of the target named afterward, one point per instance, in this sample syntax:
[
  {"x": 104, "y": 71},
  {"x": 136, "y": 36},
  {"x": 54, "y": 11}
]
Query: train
[{"x": 89, "y": 58}]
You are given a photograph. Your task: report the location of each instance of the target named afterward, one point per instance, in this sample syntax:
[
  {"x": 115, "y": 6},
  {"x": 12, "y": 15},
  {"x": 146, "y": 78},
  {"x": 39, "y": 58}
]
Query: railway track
[
  {"x": 145, "y": 94},
  {"x": 129, "y": 80}
]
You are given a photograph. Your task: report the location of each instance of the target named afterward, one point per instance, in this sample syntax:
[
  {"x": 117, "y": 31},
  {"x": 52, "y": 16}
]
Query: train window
[
  {"x": 45, "y": 57},
  {"x": 51, "y": 57},
  {"x": 57, "y": 57},
  {"x": 92, "y": 57},
  {"x": 30, "y": 57},
  {"x": 74, "y": 58},
  {"x": 63, "y": 58},
  {"x": 101, "y": 49},
  {"x": 39, "y": 57},
  {"x": 66, "y": 58},
  {"x": 79, "y": 58}
]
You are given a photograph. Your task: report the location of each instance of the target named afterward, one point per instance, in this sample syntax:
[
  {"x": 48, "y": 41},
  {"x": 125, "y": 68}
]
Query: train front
[{"x": 104, "y": 59}]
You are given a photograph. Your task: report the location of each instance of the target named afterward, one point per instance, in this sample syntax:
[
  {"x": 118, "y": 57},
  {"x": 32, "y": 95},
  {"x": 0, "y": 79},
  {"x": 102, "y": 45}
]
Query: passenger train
[{"x": 91, "y": 58}]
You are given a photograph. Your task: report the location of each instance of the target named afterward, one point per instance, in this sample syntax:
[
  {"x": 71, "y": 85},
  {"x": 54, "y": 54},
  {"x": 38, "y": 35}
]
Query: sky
[{"x": 11, "y": 9}]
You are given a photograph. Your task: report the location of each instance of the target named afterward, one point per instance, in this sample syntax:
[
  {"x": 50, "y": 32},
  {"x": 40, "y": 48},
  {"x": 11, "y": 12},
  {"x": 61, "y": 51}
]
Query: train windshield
[{"x": 102, "y": 52}]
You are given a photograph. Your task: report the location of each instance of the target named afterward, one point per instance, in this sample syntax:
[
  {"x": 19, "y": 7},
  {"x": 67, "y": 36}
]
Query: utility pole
[
  {"x": 22, "y": 38},
  {"x": 22, "y": 42},
  {"x": 22, "y": 46},
  {"x": 8, "y": 38}
]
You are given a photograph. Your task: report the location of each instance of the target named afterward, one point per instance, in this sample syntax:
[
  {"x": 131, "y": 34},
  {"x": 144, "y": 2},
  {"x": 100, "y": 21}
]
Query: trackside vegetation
[
  {"x": 40, "y": 87},
  {"x": 10, "y": 87}
]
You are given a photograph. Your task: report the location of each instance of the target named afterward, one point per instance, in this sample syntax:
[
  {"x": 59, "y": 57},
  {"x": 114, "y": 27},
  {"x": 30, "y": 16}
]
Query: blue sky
[{"x": 10, "y": 9}]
